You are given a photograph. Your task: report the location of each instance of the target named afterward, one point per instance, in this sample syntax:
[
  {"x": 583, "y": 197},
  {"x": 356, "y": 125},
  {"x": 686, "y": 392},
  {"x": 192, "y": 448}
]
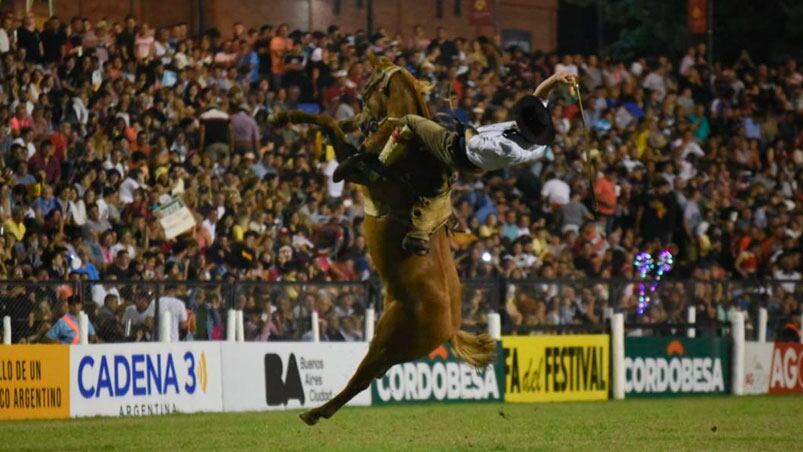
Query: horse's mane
[{"x": 421, "y": 88}]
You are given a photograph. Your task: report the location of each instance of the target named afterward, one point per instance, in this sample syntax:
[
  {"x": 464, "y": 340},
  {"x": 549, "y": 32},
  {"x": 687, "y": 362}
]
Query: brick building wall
[{"x": 538, "y": 17}]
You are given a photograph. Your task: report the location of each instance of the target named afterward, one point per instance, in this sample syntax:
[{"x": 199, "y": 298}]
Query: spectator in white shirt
[
  {"x": 176, "y": 308},
  {"x": 555, "y": 191}
]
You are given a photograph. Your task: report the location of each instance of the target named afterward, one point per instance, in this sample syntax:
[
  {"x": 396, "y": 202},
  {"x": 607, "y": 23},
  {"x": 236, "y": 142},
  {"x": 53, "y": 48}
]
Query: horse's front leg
[{"x": 328, "y": 124}]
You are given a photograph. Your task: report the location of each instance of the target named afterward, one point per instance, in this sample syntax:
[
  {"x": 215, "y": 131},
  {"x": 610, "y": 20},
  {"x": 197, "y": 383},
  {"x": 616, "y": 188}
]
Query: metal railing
[{"x": 275, "y": 311}]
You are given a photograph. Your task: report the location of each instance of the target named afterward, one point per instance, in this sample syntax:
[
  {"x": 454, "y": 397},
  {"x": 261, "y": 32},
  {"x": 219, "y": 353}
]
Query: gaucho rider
[{"x": 486, "y": 148}]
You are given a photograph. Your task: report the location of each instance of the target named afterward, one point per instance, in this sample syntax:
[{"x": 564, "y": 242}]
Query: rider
[{"x": 486, "y": 148}]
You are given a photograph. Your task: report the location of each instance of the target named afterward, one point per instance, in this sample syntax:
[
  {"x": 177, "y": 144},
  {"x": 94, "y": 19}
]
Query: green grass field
[{"x": 724, "y": 423}]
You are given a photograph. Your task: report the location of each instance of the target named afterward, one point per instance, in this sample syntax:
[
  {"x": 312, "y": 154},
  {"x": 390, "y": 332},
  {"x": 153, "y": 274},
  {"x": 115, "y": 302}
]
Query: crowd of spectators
[{"x": 101, "y": 122}]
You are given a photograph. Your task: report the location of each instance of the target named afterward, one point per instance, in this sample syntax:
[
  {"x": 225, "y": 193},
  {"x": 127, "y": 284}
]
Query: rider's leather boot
[{"x": 361, "y": 168}]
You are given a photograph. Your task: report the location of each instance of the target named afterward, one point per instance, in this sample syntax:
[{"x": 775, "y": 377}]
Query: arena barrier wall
[
  {"x": 34, "y": 383},
  {"x": 773, "y": 368},
  {"x": 145, "y": 379},
  {"x": 274, "y": 376},
  {"x": 556, "y": 368},
  {"x": 672, "y": 366},
  {"x": 440, "y": 377}
]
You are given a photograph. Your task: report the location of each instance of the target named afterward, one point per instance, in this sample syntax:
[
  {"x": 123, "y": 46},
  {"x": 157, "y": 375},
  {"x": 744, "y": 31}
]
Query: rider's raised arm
[{"x": 545, "y": 88}]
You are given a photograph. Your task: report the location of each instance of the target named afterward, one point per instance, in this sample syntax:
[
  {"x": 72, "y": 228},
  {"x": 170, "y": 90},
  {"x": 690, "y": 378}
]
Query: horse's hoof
[{"x": 309, "y": 417}]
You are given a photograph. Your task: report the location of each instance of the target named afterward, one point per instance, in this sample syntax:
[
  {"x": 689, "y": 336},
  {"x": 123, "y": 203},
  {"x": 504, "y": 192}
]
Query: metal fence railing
[{"x": 125, "y": 310}]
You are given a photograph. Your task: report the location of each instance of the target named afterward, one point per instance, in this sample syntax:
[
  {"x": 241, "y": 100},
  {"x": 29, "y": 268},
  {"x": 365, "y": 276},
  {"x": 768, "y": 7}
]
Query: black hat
[{"x": 534, "y": 120}]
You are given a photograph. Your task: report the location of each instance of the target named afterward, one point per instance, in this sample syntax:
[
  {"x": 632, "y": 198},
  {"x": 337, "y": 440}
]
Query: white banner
[
  {"x": 175, "y": 218},
  {"x": 275, "y": 376},
  {"x": 757, "y": 362},
  {"x": 145, "y": 379}
]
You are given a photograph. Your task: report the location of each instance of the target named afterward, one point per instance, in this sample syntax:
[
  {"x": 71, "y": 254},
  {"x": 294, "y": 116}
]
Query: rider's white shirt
[{"x": 491, "y": 149}]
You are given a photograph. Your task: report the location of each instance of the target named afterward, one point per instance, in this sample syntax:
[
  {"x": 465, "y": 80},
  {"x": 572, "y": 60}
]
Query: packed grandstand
[{"x": 102, "y": 123}]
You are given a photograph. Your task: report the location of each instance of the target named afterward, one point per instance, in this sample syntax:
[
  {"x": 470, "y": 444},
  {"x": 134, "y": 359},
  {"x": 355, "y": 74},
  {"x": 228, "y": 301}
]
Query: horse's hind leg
[
  {"x": 400, "y": 337},
  {"x": 328, "y": 125}
]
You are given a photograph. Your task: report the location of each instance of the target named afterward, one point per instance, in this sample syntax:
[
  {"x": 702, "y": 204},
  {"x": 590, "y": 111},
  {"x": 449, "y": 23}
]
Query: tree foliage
[{"x": 769, "y": 29}]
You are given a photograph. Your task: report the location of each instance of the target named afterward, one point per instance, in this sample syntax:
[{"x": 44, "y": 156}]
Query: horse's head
[{"x": 393, "y": 91}]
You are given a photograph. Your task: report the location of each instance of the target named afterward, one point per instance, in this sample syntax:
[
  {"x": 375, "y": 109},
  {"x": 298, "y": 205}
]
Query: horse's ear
[{"x": 373, "y": 61}]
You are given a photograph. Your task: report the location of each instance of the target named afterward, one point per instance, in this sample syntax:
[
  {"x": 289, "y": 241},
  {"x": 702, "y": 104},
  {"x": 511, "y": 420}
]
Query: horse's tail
[{"x": 478, "y": 350}]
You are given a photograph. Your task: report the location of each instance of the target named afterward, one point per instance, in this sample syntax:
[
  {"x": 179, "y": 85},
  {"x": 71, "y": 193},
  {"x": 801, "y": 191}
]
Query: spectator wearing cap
[
  {"x": 66, "y": 330},
  {"x": 216, "y": 134}
]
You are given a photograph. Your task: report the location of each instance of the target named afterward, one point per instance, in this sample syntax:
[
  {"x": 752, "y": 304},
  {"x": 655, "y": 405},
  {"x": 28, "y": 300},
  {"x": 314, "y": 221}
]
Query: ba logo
[{"x": 278, "y": 390}]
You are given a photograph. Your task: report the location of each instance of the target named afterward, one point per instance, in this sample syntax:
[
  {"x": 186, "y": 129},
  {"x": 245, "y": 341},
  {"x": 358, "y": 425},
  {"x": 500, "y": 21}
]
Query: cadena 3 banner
[
  {"x": 275, "y": 376},
  {"x": 145, "y": 379},
  {"x": 773, "y": 367}
]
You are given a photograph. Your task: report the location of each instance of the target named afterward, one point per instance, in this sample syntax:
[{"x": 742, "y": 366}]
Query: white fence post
[
  {"x": 231, "y": 326},
  {"x": 618, "y": 354},
  {"x": 83, "y": 328},
  {"x": 691, "y": 317},
  {"x": 370, "y": 319},
  {"x": 316, "y": 329},
  {"x": 762, "y": 325},
  {"x": 737, "y": 373},
  {"x": 240, "y": 328},
  {"x": 164, "y": 327},
  {"x": 6, "y": 330},
  {"x": 495, "y": 326}
]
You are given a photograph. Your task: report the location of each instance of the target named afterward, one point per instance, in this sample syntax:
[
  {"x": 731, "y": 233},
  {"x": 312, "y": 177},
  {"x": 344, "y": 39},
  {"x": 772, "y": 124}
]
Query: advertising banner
[
  {"x": 667, "y": 366},
  {"x": 34, "y": 383},
  {"x": 480, "y": 13},
  {"x": 787, "y": 368},
  {"x": 145, "y": 379},
  {"x": 441, "y": 377},
  {"x": 275, "y": 376},
  {"x": 698, "y": 16},
  {"x": 757, "y": 361},
  {"x": 556, "y": 368}
]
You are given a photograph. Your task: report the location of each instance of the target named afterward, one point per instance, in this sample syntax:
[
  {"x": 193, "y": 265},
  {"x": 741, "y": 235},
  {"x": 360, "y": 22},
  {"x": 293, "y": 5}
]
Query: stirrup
[{"x": 361, "y": 168}]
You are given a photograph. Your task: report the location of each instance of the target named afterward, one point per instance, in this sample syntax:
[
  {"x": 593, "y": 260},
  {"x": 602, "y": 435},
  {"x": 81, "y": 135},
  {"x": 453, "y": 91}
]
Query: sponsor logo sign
[
  {"x": 149, "y": 379},
  {"x": 439, "y": 376},
  {"x": 556, "y": 368},
  {"x": 786, "y": 372},
  {"x": 757, "y": 365},
  {"x": 34, "y": 382},
  {"x": 665, "y": 366},
  {"x": 274, "y": 376}
]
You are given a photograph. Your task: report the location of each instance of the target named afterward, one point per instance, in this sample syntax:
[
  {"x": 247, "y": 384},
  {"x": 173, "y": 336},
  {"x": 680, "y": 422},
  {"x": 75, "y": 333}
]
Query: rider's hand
[{"x": 566, "y": 78}]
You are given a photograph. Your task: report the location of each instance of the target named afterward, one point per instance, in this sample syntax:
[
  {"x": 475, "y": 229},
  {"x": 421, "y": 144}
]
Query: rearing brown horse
[{"x": 423, "y": 294}]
